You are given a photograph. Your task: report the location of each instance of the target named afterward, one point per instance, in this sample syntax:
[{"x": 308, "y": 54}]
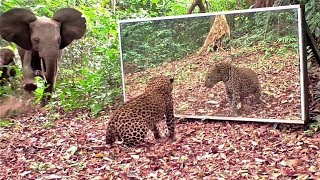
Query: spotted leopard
[
  {"x": 240, "y": 82},
  {"x": 134, "y": 118}
]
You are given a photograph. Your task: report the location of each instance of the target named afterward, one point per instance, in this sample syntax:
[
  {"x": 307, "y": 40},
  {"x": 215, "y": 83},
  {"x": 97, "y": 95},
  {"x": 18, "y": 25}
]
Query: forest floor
[
  {"x": 73, "y": 147},
  {"x": 42, "y": 144}
]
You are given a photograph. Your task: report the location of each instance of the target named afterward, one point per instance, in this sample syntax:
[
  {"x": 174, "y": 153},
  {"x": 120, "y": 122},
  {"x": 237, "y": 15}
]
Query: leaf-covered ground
[
  {"x": 43, "y": 144},
  {"x": 72, "y": 147},
  {"x": 278, "y": 74}
]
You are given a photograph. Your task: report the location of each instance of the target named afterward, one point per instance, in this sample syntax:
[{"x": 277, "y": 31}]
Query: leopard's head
[
  {"x": 219, "y": 72},
  {"x": 163, "y": 84}
]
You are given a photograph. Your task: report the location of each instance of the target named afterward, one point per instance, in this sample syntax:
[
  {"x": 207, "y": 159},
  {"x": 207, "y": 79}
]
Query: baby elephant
[
  {"x": 239, "y": 83},
  {"x": 6, "y": 64},
  {"x": 40, "y": 41}
]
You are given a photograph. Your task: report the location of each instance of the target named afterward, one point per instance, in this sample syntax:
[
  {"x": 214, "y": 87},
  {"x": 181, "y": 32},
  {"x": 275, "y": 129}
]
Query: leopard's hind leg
[{"x": 135, "y": 135}]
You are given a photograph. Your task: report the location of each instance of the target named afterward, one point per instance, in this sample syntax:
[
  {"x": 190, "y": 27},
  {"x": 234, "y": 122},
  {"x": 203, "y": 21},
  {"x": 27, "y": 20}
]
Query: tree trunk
[
  {"x": 198, "y": 3},
  {"x": 263, "y": 3}
]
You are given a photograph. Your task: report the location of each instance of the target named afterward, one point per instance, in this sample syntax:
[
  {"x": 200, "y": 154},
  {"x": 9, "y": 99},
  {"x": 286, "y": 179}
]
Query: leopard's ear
[
  {"x": 171, "y": 79},
  {"x": 219, "y": 64},
  {"x": 222, "y": 65},
  {"x": 216, "y": 68}
]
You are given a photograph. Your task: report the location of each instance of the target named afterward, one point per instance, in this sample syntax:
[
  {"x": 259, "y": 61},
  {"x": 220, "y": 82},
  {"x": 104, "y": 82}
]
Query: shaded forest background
[{"x": 90, "y": 71}]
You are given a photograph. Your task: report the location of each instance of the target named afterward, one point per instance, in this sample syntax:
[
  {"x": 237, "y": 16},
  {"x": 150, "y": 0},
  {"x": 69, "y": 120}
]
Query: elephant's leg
[
  {"x": 12, "y": 72},
  {"x": 6, "y": 71},
  {"x": 3, "y": 76},
  {"x": 28, "y": 82},
  {"x": 47, "y": 93}
]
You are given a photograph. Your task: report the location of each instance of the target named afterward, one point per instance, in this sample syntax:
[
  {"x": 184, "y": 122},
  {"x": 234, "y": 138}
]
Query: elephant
[
  {"x": 6, "y": 64},
  {"x": 40, "y": 41}
]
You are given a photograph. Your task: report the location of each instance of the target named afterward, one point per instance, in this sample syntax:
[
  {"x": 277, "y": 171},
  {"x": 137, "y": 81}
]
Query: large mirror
[{"x": 245, "y": 65}]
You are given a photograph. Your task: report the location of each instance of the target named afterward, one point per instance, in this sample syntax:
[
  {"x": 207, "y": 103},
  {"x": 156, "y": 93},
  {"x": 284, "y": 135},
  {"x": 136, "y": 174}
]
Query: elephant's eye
[
  {"x": 36, "y": 40},
  {"x": 59, "y": 41}
]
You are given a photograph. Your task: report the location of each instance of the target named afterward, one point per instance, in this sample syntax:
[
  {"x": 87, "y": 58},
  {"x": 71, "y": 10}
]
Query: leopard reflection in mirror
[
  {"x": 239, "y": 82},
  {"x": 6, "y": 65}
]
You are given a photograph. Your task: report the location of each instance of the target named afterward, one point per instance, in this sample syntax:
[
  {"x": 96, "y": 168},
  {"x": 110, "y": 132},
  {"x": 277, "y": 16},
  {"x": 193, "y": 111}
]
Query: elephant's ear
[
  {"x": 14, "y": 27},
  {"x": 73, "y": 25}
]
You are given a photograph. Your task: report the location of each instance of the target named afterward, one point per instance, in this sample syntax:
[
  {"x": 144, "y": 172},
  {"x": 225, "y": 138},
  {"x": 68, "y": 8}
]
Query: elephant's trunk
[
  {"x": 53, "y": 53},
  {"x": 50, "y": 68},
  {"x": 49, "y": 61}
]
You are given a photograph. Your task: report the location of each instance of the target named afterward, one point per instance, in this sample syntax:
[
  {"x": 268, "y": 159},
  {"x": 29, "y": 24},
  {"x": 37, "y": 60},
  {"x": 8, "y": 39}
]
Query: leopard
[
  {"x": 132, "y": 120},
  {"x": 240, "y": 82}
]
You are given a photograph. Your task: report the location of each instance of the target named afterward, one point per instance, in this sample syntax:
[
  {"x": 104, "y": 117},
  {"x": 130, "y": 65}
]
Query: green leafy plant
[
  {"x": 312, "y": 9},
  {"x": 314, "y": 127},
  {"x": 6, "y": 123},
  {"x": 39, "y": 92},
  {"x": 47, "y": 124},
  {"x": 40, "y": 166},
  {"x": 173, "y": 40},
  {"x": 266, "y": 28}
]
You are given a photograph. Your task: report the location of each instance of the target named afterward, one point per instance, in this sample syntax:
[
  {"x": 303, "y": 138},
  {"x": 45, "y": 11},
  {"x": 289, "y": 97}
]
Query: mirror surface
[{"x": 240, "y": 65}]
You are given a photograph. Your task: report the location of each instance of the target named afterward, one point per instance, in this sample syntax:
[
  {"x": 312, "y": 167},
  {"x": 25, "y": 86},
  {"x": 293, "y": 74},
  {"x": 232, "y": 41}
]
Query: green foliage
[
  {"x": 40, "y": 166},
  {"x": 151, "y": 8},
  {"x": 85, "y": 91},
  {"x": 92, "y": 77},
  {"x": 47, "y": 124},
  {"x": 314, "y": 127},
  {"x": 39, "y": 92},
  {"x": 266, "y": 28},
  {"x": 149, "y": 43},
  {"x": 223, "y": 5},
  {"x": 5, "y": 123},
  {"x": 312, "y": 13}
]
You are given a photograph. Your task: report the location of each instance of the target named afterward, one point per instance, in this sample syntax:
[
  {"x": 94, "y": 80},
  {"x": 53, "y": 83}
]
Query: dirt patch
[{"x": 13, "y": 106}]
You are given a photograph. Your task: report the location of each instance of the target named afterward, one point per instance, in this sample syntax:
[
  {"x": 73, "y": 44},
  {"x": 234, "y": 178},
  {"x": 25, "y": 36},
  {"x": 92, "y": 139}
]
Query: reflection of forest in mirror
[{"x": 265, "y": 42}]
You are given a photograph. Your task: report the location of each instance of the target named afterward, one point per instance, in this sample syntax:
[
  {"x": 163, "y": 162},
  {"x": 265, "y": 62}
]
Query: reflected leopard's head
[{"x": 219, "y": 72}]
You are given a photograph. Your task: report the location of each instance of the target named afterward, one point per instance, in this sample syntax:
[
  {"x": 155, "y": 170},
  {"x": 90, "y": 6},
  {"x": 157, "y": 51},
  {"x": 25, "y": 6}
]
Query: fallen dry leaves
[{"x": 73, "y": 148}]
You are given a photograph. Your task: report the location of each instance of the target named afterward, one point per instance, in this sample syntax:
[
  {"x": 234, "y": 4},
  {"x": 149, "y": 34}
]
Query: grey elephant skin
[
  {"x": 40, "y": 41},
  {"x": 6, "y": 65}
]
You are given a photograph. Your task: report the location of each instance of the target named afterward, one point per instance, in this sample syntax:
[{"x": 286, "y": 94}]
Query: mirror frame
[{"x": 304, "y": 101}]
